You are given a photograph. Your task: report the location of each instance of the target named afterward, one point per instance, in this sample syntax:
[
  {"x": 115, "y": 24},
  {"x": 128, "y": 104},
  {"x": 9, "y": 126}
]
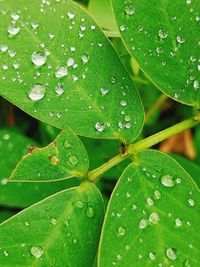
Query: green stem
[
  {"x": 155, "y": 106},
  {"x": 148, "y": 142}
]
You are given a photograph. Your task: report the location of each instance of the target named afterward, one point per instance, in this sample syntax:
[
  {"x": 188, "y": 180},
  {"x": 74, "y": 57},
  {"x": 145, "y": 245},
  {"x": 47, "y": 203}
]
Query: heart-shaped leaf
[
  {"x": 164, "y": 38},
  {"x": 62, "y": 230},
  {"x": 58, "y": 66},
  {"x": 153, "y": 216}
]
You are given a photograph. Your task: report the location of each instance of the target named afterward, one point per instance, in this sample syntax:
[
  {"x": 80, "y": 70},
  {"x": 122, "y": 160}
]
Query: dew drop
[
  {"x": 61, "y": 72},
  {"x": 143, "y": 224},
  {"x": 37, "y": 252},
  {"x": 104, "y": 90},
  {"x": 191, "y": 202},
  {"x": 154, "y": 218},
  {"x": 100, "y": 127},
  {"x": 167, "y": 180},
  {"x": 73, "y": 159},
  {"x": 53, "y": 221},
  {"x": 90, "y": 212},
  {"x": 79, "y": 204},
  {"x": 121, "y": 231},
  {"x": 38, "y": 58},
  {"x": 180, "y": 39},
  {"x": 59, "y": 90},
  {"x": 13, "y": 30},
  {"x": 129, "y": 10},
  {"x": 171, "y": 254},
  {"x": 178, "y": 222},
  {"x": 152, "y": 256},
  {"x": 85, "y": 59},
  {"x": 37, "y": 92},
  {"x": 162, "y": 34},
  {"x": 5, "y": 253}
]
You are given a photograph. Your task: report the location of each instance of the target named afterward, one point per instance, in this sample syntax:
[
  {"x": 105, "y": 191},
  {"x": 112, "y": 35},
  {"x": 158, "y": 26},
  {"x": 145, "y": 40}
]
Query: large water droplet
[
  {"x": 37, "y": 92},
  {"x": 167, "y": 180},
  {"x": 154, "y": 218},
  {"x": 38, "y": 58}
]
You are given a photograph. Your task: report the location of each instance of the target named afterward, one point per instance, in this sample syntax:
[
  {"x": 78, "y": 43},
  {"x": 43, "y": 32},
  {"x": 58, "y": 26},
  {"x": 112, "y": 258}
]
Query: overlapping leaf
[
  {"x": 164, "y": 38},
  {"x": 57, "y": 65},
  {"x": 62, "y": 230},
  {"x": 153, "y": 216}
]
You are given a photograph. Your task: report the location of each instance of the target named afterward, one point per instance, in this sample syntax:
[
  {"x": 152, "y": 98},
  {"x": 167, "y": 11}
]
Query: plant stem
[
  {"x": 139, "y": 146},
  {"x": 155, "y": 106}
]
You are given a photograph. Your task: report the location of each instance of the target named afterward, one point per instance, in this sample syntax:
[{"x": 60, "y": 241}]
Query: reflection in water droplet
[
  {"x": 37, "y": 252},
  {"x": 37, "y": 92}
]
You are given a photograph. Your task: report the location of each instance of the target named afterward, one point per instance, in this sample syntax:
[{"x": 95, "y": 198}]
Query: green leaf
[
  {"x": 102, "y": 12},
  {"x": 64, "y": 158},
  {"x": 190, "y": 167},
  {"x": 13, "y": 146},
  {"x": 62, "y": 230},
  {"x": 164, "y": 38},
  {"x": 153, "y": 216},
  {"x": 82, "y": 82}
]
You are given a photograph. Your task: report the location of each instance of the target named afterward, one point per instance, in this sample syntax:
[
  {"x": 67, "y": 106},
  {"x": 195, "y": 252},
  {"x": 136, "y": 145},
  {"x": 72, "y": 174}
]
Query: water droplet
[
  {"x": 150, "y": 201},
  {"x": 162, "y": 34},
  {"x": 67, "y": 144},
  {"x": 104, "y": 90},
  {"x": 178, "y": 222},
  {"x": 4, "y": 181},
  {"x": 154, "y": 218},
  {"x": 129, "y": 10},
  {"x": 15, "y": 16},
  {"x": 90, "y": 212},
  {"x": 122, "y": 28},
  {"x": 100, "y": 127},
  {"x": 13, "y": 30},
  {"x": 191, "y": 202},
  {"x": 79, "y": 204},
  {"x": 53, "y": 221},
  {"x": 171, "y": 254},
  {"x": 54, "y": 160},
  {"x": 5, "y": 253},
  {"x": 123, "y": 103},
  {"x": 73, "y": 159},
  {"x": 71, "y": 15},
  {"x": 38, "y": 58},
  {"x": 85, "y": 59},
  {"x": 196, "y": 85},
  {"x": 152, "y": 256},
  {"x": 59, "y": 90},
  {"x": 61, "y": 72},
  {"x": 70, "y": 62},
  {"x": 167, "y": 180},
  {"x": 180, "y": 39},
  {"x": 143, "y": 224},
  {"x": 37, "y": 252},
  {"x": 121, "y": 231},
  {"x": 37, "y": 92}
]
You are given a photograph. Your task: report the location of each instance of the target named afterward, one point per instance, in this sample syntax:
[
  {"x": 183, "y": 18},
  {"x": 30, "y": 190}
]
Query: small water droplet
[
  {"x": 53, "y": 221},
  {"x": 180, "y": 39},
  {"x": 154, "y": 218},
  {"x": 191, "y": 202},
  {"x": 100, "y": 127},
  {"x": 178, "y": 222},
  {"x": 59, "y": 90},
  {"x": 171, "y": 253},
  {"x": 162, "y": 34},
  {"x": 90, "y": 212},
  {"x": 104, "y": 90},
  {"x": 79, "y": 204},
  {"x": 143, "y": 224},
  {"x": 152, "y": 256},
  {"x": 129, "y": 10},
  {"x": 37, "y": 252},
  {"x": 121, "y": 231},
  {"x": 73, "y": 159}
]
